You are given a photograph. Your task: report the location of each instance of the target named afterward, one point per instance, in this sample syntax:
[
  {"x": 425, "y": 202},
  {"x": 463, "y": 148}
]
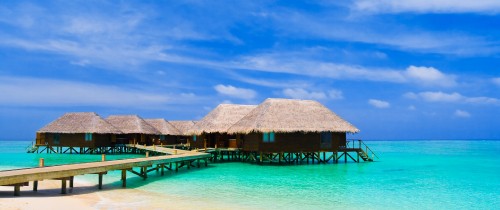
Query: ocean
[{"x": 444, "y": 174}]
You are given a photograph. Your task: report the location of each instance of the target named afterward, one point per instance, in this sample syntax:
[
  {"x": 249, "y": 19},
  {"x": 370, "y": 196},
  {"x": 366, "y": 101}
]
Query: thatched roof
[
  {"x": 131, "y": 124},
  {"x": 80, "y": 122},
  {"x": 221, "y": 118},
  {"x": 289, "y": 115},
  {"x": 183, "y": 125},
  {"x": 163, "y": 126}
]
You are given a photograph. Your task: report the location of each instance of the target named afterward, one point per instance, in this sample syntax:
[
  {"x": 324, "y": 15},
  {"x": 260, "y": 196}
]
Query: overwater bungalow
[
  {"x": 280, "y": 126},
  {"x": 169, "y": 134},
  {"x": 183, "y": 126},
  {"x": 134, "y": 129},
  {"x": 77, "y": 129},
  {"x": 211, "y": 131}
]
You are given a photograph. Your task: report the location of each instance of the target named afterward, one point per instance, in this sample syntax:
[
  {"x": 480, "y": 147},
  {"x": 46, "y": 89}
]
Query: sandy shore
[
  {"x": 85, "y": 195},
  {"x": 48, "y": 196}
]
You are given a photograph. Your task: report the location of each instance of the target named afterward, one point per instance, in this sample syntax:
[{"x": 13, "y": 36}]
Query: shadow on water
[{"x": 133, "y": 182}]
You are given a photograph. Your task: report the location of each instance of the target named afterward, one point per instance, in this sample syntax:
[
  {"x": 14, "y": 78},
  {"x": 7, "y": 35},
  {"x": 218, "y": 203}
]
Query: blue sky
[{"x": 396, "y": 69}]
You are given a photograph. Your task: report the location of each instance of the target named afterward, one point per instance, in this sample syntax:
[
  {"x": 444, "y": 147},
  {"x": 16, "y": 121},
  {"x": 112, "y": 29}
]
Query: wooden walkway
[{"x": 177, "y": 158}]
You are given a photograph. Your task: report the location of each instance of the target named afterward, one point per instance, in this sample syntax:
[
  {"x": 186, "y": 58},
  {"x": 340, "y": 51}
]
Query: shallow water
[{"x": 410, "y": 174}]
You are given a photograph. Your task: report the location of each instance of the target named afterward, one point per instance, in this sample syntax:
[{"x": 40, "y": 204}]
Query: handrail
[{"x": 361, "y": 144}]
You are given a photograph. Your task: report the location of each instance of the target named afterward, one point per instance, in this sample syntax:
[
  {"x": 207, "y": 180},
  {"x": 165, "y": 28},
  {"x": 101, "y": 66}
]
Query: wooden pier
[
  {"x": 355, "y": 150},
  {"x": 173, "y": 161}
]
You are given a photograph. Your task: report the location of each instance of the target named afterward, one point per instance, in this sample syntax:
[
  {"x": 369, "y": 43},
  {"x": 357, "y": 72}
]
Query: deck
[{"x": 180, "y": 158}]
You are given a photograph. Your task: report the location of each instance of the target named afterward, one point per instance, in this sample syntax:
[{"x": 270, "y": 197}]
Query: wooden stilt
[
  {"x": 145, "y": 172},
  {"x": 162, "y": 169},
  {"x": 17, "y": 190},
  {"x": 71, "y": 181},
  {"x": 63, "y": 186},
  {"x": 100, "y": 181},
  {"x": 35, "y": 186},
  {"x": 176, "y": 166},
  {"x": 124, "y": 178}
]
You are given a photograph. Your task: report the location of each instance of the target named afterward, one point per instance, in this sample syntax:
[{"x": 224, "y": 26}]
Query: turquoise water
[{"x": 410, "y": 174}]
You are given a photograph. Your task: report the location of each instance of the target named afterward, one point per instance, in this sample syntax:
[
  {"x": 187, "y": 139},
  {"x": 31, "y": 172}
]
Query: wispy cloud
[
  {"x": 379, "y": 103},
  {"x": 429, "y": 76},
  {"x": 299, "y": 64},
  {"x": 300, "y": 93},
  {"x": 461, "y": 113},
  {"x": 496, "y": 81},
  {"x": 334, "y": 26},
  {"x": 435, "y": 6},
  {"x": 23, "y": 91},
  {"x": 235, "y": 92},
  {"x": 451, "y": 97}
]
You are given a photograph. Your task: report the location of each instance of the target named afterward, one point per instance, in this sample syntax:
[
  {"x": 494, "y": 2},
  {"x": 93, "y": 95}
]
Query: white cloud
[
  {"x": 335, "y": 94},
  {"x": 434, "y": 6},
  {"x": 297, "y": 63},
  {"x": 300, "y": 93},
  {"x": 461, "y": 113},
  {"x": 235, "y": 92},
  {"x": 401, "y": 37},
  {"x": 429, "y": 76},
  {"x": 441, "y": 97},
  {"x": 451, "y": 97},
  {"x": 379, "y": 103},
  {"x": 496, "y": 81},
  {"x": 23, "y": 91}
]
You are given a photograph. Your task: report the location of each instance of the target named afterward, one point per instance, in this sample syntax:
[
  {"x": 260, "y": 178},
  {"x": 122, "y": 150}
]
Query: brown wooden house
[
  {"x": 78, "y": 129},
  {"x": 183, "y": 126},
  {"x": 169, "y": 134},
  {"x": 288, "y": 125},
  {"x": 134, "y": 129},
  {"x": 211, "y": 131}
]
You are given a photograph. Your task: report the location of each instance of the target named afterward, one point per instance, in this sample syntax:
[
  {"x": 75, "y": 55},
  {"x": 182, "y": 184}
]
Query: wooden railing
[{"x": 352, "y": 143}]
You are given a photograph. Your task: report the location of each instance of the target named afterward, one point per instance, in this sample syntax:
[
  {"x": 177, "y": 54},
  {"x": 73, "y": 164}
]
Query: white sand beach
[{"x": 83, "y": 196}]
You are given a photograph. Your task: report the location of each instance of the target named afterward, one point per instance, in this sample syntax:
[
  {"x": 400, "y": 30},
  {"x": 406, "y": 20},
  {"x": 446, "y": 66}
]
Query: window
[
  {"x": 56, "y": 138},
  {"x": 88, "y": 137},
  {"x": 268, "y": 137},
  {"x": 326, "y": 139},
  {"x": 162, "y": 137},
  {"x": 194, "y": 137}
]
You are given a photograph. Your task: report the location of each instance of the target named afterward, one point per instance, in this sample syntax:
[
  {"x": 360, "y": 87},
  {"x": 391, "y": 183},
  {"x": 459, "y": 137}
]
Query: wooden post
[
  {"x": 100, "y": 181},
  {"x": 198, "y": 162},
  {"x": 145, "y": 174},
  {"x": 261, "y": 157},
  {"x": 63, "y": 186},
  {"x": 17, "y": 190},
  {"x": 206, "y": 162},
  {"x": 176, "y": 166},
  {"x": 35, "y": 185},
  {"x": 41, "y": 162},
  {"x": 71, "y": 178},
  {"x": 124, "y": 178},
  {"x": 162, "y": 169},
  {"x": 103, "y": 157},
  {"x": 175, "y": 152},
  {"x": 147, "y": 154},
  {"x": 345, "y": 157}
]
